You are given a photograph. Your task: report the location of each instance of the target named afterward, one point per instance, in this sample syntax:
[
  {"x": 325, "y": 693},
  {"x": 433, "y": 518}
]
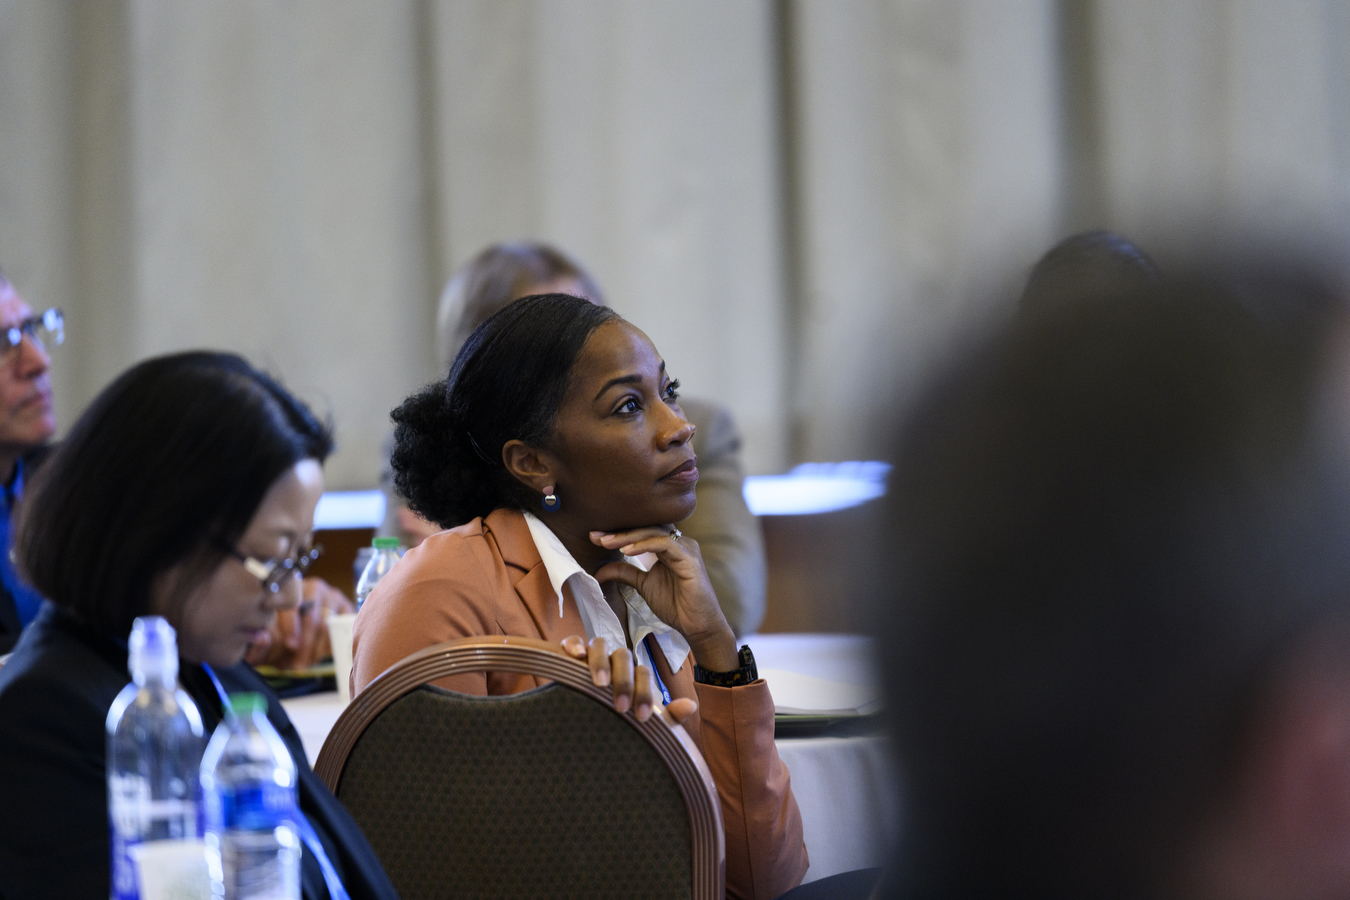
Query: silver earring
[{"x": 551, "y": 501}]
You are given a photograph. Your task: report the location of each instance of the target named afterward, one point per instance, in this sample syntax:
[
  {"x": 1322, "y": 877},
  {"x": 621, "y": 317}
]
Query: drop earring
[{"x": 551, "y": 501}]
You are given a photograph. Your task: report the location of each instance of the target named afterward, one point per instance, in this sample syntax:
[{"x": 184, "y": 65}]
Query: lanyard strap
[
  {"x": 307, "y": 833},
  {"x": 650, "y": 643},
  {"x": 330, "y": 876}
]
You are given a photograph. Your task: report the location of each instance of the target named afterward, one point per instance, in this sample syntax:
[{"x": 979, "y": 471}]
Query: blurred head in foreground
[
  {"x": 1118, "y": 654},
  {"x": 1087, "y": 264}
]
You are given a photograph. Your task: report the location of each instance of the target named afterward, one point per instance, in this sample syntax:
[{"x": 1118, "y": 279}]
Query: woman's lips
[{"x": 685, "y": 473}]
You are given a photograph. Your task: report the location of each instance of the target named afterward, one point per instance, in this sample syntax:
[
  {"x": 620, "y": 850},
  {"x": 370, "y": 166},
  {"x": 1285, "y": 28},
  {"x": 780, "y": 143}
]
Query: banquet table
[{"x": 842, "y": 781}]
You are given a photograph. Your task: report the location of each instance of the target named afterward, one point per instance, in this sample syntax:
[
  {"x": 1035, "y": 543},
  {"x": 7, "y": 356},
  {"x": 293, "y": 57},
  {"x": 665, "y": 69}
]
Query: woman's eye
[
  {"x": 628, "y": 406},
  {"x": 673, "y": 390}
]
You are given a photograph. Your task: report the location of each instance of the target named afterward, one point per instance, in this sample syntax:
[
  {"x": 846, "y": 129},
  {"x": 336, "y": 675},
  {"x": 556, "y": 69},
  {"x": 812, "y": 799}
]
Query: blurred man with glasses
[
  {"x": 27, "y": 423},
  {"x": 298, "y": 637}
]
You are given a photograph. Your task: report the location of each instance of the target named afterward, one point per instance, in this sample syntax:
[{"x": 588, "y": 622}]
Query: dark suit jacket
[
  {"x": 9, "y": 616},
  {"x": 54, "y": 698}
]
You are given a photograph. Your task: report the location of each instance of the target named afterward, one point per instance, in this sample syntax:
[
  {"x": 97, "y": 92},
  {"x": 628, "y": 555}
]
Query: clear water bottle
[
  {"x": 155, "y": 742},
  {"x": 249, "y": 782},
  {"x": 381, "y": 561}
]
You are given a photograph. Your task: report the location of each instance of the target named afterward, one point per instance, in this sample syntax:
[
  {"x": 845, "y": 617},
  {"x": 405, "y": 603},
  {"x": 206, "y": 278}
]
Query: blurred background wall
[{"x": 795, "y": 198}]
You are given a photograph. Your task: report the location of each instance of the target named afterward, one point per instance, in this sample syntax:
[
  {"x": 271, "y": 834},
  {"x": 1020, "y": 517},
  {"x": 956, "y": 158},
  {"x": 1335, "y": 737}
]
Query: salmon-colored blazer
[{"x": 485, "y": 578}]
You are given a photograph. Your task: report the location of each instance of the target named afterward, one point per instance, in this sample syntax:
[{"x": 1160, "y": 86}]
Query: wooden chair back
[{"x": 545, "y": 793}]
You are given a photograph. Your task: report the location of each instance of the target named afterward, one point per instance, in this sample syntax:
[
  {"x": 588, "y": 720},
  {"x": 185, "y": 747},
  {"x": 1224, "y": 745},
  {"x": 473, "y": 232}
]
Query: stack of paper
[{"x": 805, "y": 695}]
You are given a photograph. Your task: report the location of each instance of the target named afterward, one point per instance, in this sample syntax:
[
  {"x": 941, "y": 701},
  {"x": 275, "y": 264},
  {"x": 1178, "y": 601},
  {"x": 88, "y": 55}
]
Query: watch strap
[{"x": 747, "y": 673}]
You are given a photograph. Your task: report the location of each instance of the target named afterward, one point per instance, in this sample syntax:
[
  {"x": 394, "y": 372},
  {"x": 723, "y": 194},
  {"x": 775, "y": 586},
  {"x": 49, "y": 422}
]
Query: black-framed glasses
[
  {"x": 274, "y": 572},
  {"x": 48, "y": 329}
]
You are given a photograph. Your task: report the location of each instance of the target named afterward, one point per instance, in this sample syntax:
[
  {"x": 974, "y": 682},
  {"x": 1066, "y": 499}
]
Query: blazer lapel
[{"x": 533, "y": 587}]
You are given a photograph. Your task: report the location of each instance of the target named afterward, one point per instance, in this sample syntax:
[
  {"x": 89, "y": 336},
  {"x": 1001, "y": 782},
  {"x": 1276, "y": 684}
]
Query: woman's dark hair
[
  {"x": 507, "y": 383},
  {"x": 167, "y": 465}
]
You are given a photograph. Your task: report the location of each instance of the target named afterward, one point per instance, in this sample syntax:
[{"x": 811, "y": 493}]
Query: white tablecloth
[{"x": 842, "y": 784}]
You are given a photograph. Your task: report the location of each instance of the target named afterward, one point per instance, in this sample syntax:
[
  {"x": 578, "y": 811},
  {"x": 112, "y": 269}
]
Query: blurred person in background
[
  {"x": 27, "y": 423},
  {"x": 297, "y": 638},
  {"x": 728, "y": 533},
  {"x": 186, "y": 490},
  {"x": 1117, "y": 628}
]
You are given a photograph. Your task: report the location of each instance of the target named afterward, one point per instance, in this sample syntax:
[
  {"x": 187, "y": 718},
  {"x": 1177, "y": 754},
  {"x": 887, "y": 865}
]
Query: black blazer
[
  {"x": 54, "y": 698},
  {"x": 9, "y": 615}
]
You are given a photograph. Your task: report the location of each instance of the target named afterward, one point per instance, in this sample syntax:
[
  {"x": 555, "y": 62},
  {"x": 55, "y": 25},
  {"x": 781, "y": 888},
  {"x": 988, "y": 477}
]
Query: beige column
[
  {"x": 1233, "y": 113},
  {"x": 277, "y": 201},
  {"x": 39, "y": 241},
  {"x": 639, "y": 137},
  {"x": 928, "y": 161}
]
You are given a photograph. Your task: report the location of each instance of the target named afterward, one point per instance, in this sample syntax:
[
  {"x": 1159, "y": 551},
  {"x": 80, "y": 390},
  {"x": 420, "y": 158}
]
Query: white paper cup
[
  {"x": 172, "y": 870},
  {"x": 340, "y": 634}
]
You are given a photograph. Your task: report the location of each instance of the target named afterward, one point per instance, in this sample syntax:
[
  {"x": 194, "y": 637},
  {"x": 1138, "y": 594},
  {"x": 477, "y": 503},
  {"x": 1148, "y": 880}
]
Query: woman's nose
[{"x": 678, "y": 430}]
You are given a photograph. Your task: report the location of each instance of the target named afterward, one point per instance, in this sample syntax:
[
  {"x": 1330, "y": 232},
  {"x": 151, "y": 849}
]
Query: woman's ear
[{"x": 534, "y": 468}]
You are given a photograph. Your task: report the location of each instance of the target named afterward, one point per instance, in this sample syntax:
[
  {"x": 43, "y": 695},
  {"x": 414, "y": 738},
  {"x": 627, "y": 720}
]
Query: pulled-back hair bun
[{"x": 506, "y": 384}]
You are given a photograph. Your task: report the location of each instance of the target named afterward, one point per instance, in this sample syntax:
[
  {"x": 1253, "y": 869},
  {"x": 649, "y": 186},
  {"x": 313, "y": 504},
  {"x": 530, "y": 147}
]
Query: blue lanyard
[
  {"x": 307, "y": 834},
  {"x": 649, "y": 642}
]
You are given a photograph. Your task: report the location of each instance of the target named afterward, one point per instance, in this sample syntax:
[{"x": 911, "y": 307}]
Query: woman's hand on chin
[
  {"x": 677, "y": 589},
  {"x": 634, "y": 687}
]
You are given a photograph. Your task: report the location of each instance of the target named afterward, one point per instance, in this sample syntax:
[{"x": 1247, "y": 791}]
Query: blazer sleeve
[
  {"x": 728, "y": 534},
  {"x": 733, "y": 728},
  {"x": 441, "y": 590}
]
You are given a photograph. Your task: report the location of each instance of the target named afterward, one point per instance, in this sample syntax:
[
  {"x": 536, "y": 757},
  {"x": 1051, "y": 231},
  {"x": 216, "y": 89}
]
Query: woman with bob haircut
[
  {"x": 182, "y": 469},
  {"x": 556, "y": 453}
]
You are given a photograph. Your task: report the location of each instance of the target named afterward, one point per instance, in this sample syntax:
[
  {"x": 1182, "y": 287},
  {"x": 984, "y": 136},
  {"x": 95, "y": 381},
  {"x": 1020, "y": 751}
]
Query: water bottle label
[
  {"x": 256, "y": 805},
  {"x": 129, "y": 803},
  {"x": 261, "y": 865},
  {"x": 123, "y": 869}
]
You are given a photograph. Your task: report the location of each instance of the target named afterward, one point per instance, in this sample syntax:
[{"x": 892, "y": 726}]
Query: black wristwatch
[{"x": 736, "y": 677}]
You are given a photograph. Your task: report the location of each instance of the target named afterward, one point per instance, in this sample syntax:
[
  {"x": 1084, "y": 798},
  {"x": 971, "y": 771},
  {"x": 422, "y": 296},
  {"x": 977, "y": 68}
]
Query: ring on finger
[{"x": 676, "y": 534}]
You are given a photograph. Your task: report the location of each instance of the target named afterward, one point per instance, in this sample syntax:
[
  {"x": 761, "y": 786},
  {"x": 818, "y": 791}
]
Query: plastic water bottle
[
  {"x": 155, "y": 741},
  {"x": 249, "y": 782},
  {"x": 381, "y": 561}
]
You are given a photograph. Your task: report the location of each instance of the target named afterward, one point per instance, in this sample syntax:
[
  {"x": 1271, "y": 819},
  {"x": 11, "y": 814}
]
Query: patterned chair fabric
[
  {"x": 546, "y": 793},
  {"x": 498, "y": 798}
]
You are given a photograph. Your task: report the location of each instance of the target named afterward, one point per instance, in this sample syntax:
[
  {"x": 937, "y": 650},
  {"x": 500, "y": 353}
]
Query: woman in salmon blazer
[{"x": 556, "y": 454}]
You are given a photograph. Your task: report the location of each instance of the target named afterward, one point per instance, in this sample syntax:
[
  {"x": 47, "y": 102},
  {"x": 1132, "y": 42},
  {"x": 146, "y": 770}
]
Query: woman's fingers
[
  {"x": 621, "y": 671},
  {"x": 633, "y": 686},
  {"x": 644, "y": 694},
  {"x": 654, "y": 539},
  {"x": 624, "y": 572},
  {"x": 681, "y": 708},
  {"x": 615, "y": 539},
  {"x": 597, "y": 657},
  {"x": 575, "y": 647},
  {"x": 309, "y": 639}
]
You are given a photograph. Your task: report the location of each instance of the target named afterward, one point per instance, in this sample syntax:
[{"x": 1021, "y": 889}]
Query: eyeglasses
[
  {"x": 274, "y": 572},
  {"x": 48, "y": 328}
]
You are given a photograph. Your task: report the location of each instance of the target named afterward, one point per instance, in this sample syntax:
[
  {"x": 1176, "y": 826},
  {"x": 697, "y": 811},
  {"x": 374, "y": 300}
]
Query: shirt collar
[
  {"x": 596, "y": 614},
  {"x": 14, "y": 488}
]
